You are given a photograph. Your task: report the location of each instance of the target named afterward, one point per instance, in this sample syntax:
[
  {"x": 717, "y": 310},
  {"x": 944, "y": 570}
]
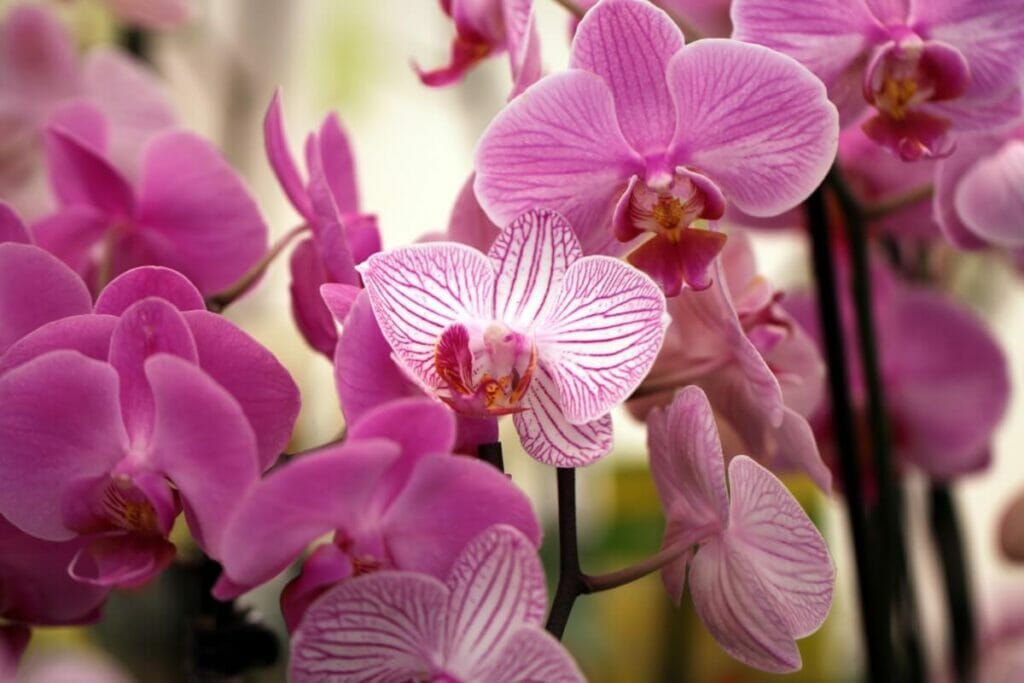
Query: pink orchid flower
[
  {"x": 116, "y": 421},
  {"x": 482, "y": 623},
  {"x": 188, "y": 211},
  {"x": 761, "y": 575},
  {"x": 532, "y": 329},
  {"x": 392, "y": 494},
  {"x": 663, "y": 136},
  {"x": 927, "y": 68},
  {"x": 763, "y": 374},
  {"x": 329, "y": 203},
  {"x": 979, "y": 191},
  {"x": 946, "y": 380},
  {"x": 41, "y": 75},
  {"x": 484, "y": 28}
]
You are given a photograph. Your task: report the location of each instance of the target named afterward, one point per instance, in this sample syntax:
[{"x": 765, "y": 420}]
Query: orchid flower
[
  {"x": 484, "y": 28},
  {"x": 532, "y": 329},
  {"x": 482, "y": 623},
  {"x": 189, "y": 210},
  {"x": 707, "y": 18},
  {"x": 761, "y": 575},
  {"x": 979, "y": 191},
  {"x": 329, "y": 203},
  {"x": 116, "y": 421},
  {"x": 762, "y": 373},
  {"x": 41, "y": 77},
  {"x": 946, "y": 380},
  {"x": 926, "y": 68},
  {"x": 663, "y": 137},
  {"x": 393, "y": 496}
]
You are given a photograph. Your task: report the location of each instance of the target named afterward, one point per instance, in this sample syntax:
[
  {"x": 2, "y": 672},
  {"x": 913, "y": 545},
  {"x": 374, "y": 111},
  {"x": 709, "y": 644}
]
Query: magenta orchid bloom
[
  {"x": 189, "y": 210},
  {"x": 392, "y": 494},
  {"x": 979, "y": 191},
  {"x": 41, "y": 76},
  {"x": 947, "y": 384},
  {"x": 329, "y": 203},
  {"x": 117, "y": 420},
  {"x": 663, "y": 137},
  {"x": 482, "y": 623},
  {"x": 927, "y": 68},
  {"x": 484, "y": 28},
  {"x": 761, "y": 575},
  {"x": 532, "y": 329},
  {"x": 761, "y": 371}
]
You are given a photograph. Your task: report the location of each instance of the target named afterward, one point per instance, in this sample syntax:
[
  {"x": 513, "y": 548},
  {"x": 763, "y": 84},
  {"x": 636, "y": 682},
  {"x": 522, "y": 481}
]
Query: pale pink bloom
[
  {"x": 152, "y": 14},
  {"x": 979, "y": 191},
  {"x": 393, "y": 495},
  {"x": 761, "y": 575},
  {"x": 643, "y": 136},
  {"x": 484, "y": 28},
  {"x": 532, "y": 329},
  {"x": 342, "y": 236},
  {"x": 759, "y": 368},
  {"x": 482, "y": 623},
  {"x": 927, "y": 68}
]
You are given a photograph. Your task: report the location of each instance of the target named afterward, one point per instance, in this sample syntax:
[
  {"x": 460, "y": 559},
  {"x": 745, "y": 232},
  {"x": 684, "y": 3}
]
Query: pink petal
[
  {"x": 35, "y": 288},
  {"x": 203, "y": 443},
  {"x": 531, "y": 256},
  {"x": 948, "y": 174},
  {"x": 419, "y": 426},
  {"x": 148, "y": 327},
  {"x": 497, "y": 585},
  {"x": 328, "y": 230},
  {"x": 549, "y": 437},
  {"x": 203, "y": 221},
  {"x": 418, "y": 291},
  {"x": 754, "y": 121},
  {"x": 560, "y": 148},
  {"x": 80, "y": 175},
  {"x": 73, "y": 235},
  {"x": 11, "y": 227},
  {"x": 796, "y": 449},
  {"x": 88, "y": 334},
  {"x": 308, "y": 310},
  {"x": 384, "y": 626},
  {"x": 326, "y": 566},
  {"x": 530, "y": 655},
  {"x": 464, "y": 496},
  {"x": 990, "y": 198},
  {"x": 37, "y": 55},
  {"x": 122, "y": 560},
  {"x": 314, "y": 494},
  {"x": 781, "y": 543},
  {"x": 687, "y": 464},
  {"x": 83, "y": 120},
  {"x": 601, "y": 336},
  {"x": 339, "y": 299},
  {"x": 149, "y": 281},
  {"x": 259, "y": 383},
  {"x": 338, "y": 162},
  {"x": 365, "y": 372},
  {"x": 523, "y": 42},
  {"x": 61, "y": 422},
  {"x": 468, "y": 223},
  {"x": 281, "y": 160},
  {"x": 738, "y": 609},
  {"x": 629, "y": 45}
]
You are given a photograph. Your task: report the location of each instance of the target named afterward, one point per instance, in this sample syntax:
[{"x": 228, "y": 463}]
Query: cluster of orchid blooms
[{"x": 598, "y": 255}]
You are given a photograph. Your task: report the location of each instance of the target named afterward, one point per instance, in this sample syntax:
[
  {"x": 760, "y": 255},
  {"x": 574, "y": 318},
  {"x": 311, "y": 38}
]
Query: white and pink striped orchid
[
  {"x": 532, "y": 329},
  {"x": 482, "y": 624}
]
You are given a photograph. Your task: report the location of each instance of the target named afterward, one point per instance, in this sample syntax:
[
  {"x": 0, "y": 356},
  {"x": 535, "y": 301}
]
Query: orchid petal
[
  {"x": 311, "y": 317},
  {"x": 383, "y": 627},
  {"x": 204, "y": 221},
  {"x": 601, "y": 336},
  {"x": 417, "y": 291},
  {"x": 35, "y": 288},
  {"x": 72, "y": 235},
  {"x": 259, "y": 383},
  {"x": 549, "y": 437},
  {"x": 797, "y": 449},
  {"x": 323, "y": 568},
  {"x": 37, "y": 54},
  {"x": 281, "y": 160},
  {"x": 88, "y": 334},
  {"x": 782, "y": 545},
  {"x": 11, "y": 227},
  {"x": 531, "y": 256},
  {"x": 328, "y": 231},
  {"x": 497, "y": 586},
  {"x": 203, "y": 443},
  {"x": 468, "y": 224},
  {"x": 339, "y": 299},
  {"x": 531, "y": 655},
  {"x": 754, "y": 121},
  {"x": 948, "y": 174},
  {"x": 523, "y": 44},
  {"x": 61, "y": 422},
  {"x": 338, "y": 164},
  {"x": 121, "y": 560},
  {"x": 80, "y": 175},
  {"x": 629, "y": 45},
  {"x": 149, "y": 281},
  {"x": 419, "y": 426},
  {"x": 559, "y": 147},
  {"x": 990, "y": 197}
]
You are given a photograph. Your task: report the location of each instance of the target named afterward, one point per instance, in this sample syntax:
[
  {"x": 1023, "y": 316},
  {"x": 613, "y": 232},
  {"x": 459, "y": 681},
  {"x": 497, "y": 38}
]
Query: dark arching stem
[{"x": 570, "y": 577}]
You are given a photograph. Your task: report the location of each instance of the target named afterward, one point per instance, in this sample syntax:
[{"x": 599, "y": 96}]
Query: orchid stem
[
  {"x": 881, "y": 209},
  {"x": 218, "y": 302},
  {"x": 604, "y": 582},
  {"x": 571, "y": 582},
  {"x": 873, "y": 611},
  {"x": 491, "y": 454},
  {"x": 948, "y": 541}
]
